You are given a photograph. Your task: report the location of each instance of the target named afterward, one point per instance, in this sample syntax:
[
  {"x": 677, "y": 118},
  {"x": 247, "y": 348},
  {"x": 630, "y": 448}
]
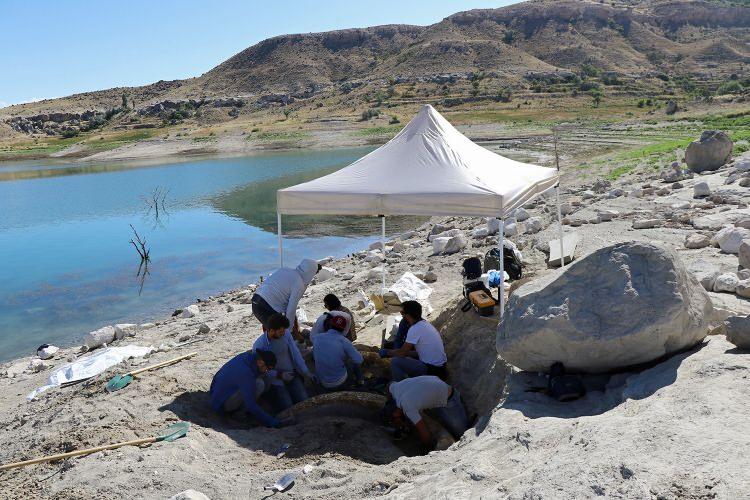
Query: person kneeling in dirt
[
  {"x": 422, "y": 339},
  {"x": 427, "y": 394},
  {"x": 285, "y": 382},
  {"x": 332, "y": 303},
  {"x": 239, "y": 382},
  {"x": 338, "y": 364}
]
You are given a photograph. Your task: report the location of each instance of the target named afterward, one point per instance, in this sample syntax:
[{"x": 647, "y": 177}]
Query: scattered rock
[
  {"x": 37, "y": 365},
  {"x": 230, "y": 308},
  {"x": 146, "y": 326},
  {"x": 189, "y": 495},
  {"x": 521, "y": 214},
  {"x": 190, "y": 311},
  {"x": 738, "y": 331},
  {"x": 97, "y": 338},
  {"x": 455, "y": 244},
  {"x": 710, "y": 152},
  {"x": 705, "y": 272},
  {"x": 430, "y": 277},
  {"x": 701, "y": 190},
  {"x": 697, "y": 240},
  {"x": 743, "y": 254},
  {"x": 606, "y": 215},
  {"x": 123, "y": 330},
  {"x": 726, "y": 282},
  {"x": 730, "y": 238},
  {"x": 533, "y": 225},
  {"x": 743, "y": 288},
  {"x": 671, "y": 107},
  {"x": 559, "y": 317},
  {"x": 325, "y": 274},
  {"x": 377, "y": 245},
  {"x": 204, "y": 328},
  {"x": 745, "y": 182},
  {"x": 375, "y": 272},
  {"x": 646, "y": 223},
  {"x": 615, "y": 193},
  {"x": 493, "y": 225},
  {"x": 601, "y": 185}
]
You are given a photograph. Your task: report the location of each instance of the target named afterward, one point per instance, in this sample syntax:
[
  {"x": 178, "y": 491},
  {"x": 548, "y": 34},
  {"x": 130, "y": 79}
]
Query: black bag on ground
[
  {"x": 511, "y": 264},
  {"x": 472, "y": 268},
  {"x": 564, "y": 387}
]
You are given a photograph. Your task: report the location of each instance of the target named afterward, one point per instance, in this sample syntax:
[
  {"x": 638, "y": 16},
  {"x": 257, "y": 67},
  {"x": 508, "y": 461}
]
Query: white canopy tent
[{"x": 429, "y": 168}]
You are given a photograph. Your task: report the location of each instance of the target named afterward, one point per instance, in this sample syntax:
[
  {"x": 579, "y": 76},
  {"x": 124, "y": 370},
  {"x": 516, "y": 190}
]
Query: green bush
[
  {"x": 67, "y": 134},
  {"x": 730, "y": 87},
  {"x": 589, "y": 70},
  {"x": 369, "y": 113}
]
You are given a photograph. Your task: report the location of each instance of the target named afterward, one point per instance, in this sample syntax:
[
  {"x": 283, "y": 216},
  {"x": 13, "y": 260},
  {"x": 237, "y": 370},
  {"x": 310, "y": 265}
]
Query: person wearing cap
[
  {"x": 239, "y": 383},
  {"x": 332, "y": 303},
  {"x": 286, "y": 380},
  {"x": 409, "y": 399},
  {"x": 422, "y": 339},
  {"x": 281, "y": 292},
  {"x": 338, "y": 364}
]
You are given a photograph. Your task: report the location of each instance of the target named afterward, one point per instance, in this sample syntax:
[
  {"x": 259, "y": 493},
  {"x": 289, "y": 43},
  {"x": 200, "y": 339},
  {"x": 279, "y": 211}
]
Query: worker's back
[
  {"x": 331, "y": 350},
  {"x": 277, "y": 288}
]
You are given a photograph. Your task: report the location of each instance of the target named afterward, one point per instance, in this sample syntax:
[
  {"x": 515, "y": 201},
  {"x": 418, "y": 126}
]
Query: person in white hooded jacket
[{"x": 282, "y": 291}]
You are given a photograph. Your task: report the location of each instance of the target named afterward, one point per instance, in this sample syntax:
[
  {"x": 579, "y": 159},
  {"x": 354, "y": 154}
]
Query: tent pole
[
  {"x": 382, "y": 240},
  {"x": 281, "y": 244},
  {"x": 559, "y": 222},
  {"x": 501, "y": 245}
]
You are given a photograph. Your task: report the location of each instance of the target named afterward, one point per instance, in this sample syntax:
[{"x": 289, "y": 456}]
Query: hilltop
[{"x": 535, "y": 50}]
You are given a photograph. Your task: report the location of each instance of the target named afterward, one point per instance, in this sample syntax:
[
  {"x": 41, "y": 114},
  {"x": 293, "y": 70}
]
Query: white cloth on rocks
[
  {"x": 91, "y": 365},
  {"x": 417, "y": 394},
  {"x": 409, "y": 287}
]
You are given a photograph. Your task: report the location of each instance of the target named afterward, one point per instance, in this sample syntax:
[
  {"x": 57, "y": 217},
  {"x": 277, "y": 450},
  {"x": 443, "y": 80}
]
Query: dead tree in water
[
  {"x": 140, "y": 246},
  {"x": 156, "y": 204}
]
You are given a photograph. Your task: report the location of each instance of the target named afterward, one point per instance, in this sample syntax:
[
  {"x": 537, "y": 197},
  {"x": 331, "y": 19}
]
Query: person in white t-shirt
[
  {"x": 423, "y": 352},
  {"x": 410, "y": 398}
]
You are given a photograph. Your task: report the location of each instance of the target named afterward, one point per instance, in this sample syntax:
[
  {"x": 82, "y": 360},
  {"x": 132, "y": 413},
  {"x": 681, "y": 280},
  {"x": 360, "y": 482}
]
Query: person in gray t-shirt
[{"x": 409, "y": 398}]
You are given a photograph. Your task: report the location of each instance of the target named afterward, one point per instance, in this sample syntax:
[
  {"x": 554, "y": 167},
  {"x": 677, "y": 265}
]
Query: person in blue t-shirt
[
  {"x": 239, "y": 382},
  {"x": 338, "y": 364}
]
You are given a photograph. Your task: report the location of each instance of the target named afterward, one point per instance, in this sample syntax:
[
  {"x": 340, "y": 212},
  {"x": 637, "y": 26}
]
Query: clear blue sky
[{"x": 53, "y": 48}]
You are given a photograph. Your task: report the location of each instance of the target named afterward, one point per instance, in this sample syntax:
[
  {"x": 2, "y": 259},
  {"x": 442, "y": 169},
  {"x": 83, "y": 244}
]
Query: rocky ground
[{"x": 675, "y": 430}]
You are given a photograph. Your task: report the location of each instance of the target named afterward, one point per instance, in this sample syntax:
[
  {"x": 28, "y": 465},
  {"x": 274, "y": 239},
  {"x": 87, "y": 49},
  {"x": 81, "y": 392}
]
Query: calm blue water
[{"x": 67, "y": 267}]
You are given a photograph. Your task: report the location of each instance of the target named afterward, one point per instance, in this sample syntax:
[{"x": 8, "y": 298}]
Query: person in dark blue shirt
[{"x": 240, "y": 382}]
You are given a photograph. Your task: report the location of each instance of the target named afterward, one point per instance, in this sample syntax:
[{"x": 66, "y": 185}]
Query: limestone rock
[
  {"x": 621, "y": 305},
  {"x": 480, "y": 232},
  {"x": 730, "y": 238},
  {"x": 493, "y": 225},
  {"x": 533, "y": 225},
  {"x": 697, "y": 240},
  {"x": 606, "y": 215},
  {"x": 47, "y": 351},
  {"x": 726, "y": 282},
  {"x": 743, "y": 254},
  {"x": 189, "y": 495},
  {"x": 325, "y": 274},
  {"x": 745, "y": 182},
  {"x": 738, "y": 331},
  {"x": 375, "y": 272},
  {"x": 743, "y": 288},
  {"x": 701, "y": 190},
  {"x": 104, "y": 335},
  {"x": 705, "y": 272},
  {"x": 521, "y": 214},
  {"x": 511, "y": 229},
  {"x": 646, "y": 223},
  {"x": 710, "y": 152},
  {"x": 204, "y": 328},
  {"x": 123, "y": 330},
  {"x": 445, "y": 234},
  {"x": 190, "y": 311},
  {"x": 455, "y": 244},
  {"x": 376, "y": 245},
  {"x": 615, "y": 193}
]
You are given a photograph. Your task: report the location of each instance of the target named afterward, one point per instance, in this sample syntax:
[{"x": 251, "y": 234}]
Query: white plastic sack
[
  {"x": 301, "y": 316},
  {"x": 91, "y": 365},
  {"x": 409, "y": 287}
]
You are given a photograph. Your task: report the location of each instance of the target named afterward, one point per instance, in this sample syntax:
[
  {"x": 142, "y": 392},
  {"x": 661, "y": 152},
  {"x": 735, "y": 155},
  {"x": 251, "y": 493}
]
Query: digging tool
[
  {"x": 119, "y": 381},
  {"x": 285, "y": 482},
  {"x": 171, "y": 433}
]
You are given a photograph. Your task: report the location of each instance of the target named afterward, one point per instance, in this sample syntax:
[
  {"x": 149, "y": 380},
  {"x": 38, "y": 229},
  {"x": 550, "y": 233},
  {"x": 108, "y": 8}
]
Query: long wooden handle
[
  {"x": 134, "y": 442},
  {"x": 165, "y": 363}
]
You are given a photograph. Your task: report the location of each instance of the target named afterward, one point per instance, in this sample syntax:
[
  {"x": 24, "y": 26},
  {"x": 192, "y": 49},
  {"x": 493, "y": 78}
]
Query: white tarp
[
  {"x": 409, "y": 287},
  {"x": 89, "y": 366},
  {"x": 429, "y": 168}
]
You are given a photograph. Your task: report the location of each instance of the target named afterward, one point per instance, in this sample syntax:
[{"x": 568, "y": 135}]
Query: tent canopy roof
[{"x": 429, "y": 168}]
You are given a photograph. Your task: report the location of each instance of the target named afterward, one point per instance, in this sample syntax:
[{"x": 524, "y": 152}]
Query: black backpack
[
  {"x": 472, "y": 268},
  {"x": 564, "y": 387},
  {"x": 512, "y": 265}
]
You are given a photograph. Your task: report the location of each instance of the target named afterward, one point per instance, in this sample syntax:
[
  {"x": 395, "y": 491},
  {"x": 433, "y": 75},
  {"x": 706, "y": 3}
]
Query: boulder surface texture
[
  {"x": 710, "y": 152},
  {"x": 620, "y": 306}
]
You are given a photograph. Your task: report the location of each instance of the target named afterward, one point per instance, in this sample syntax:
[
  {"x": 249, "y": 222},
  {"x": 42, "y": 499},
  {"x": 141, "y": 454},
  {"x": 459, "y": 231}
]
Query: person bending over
[
  {"x": 338, "y": 364},
  {"x": 282, "y": 291},
  {"x": 410, "y": 398},
  {"x": 239, "y": 382},
  {"x": 286, "y": 386},
  {"x": 423, "y": 339}
]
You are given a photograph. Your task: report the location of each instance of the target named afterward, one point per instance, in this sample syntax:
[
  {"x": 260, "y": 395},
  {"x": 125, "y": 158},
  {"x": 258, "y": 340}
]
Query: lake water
[{"x": 66, "y": 262}]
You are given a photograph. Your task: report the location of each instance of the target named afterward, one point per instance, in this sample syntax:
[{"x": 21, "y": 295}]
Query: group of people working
[{"x": 274, "y": 375}]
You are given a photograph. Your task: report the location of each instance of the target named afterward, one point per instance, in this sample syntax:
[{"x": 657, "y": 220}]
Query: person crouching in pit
[
  {"x": 286, "y": 386},
  {"x": 240, "y": 383},
  {"x": 408, "y": 399},
  {"x": 338, "y": 364},
  {"x": 422, "y": 353}
]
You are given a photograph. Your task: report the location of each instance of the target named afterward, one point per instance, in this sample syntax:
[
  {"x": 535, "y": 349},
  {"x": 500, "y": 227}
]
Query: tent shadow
[{"x": 603, "y": 392}]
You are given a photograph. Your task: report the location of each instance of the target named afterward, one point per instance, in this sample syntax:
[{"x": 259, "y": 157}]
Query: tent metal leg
[
  {"x": 501, "y": 245},
  {"x": 382, "y": 240},
  {"x": 559, "y": 222},
  {"x": 281, "y": 241}
]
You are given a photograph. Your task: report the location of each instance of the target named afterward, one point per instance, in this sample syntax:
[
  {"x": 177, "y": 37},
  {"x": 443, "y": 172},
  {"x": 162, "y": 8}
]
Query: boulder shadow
[{"x": 603, "y": 392}]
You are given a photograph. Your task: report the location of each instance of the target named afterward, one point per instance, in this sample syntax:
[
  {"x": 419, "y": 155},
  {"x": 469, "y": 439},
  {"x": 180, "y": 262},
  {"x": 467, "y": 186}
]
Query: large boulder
[
  {"x": 710, "y": 152},
  {"x": 622, "y": 305}
]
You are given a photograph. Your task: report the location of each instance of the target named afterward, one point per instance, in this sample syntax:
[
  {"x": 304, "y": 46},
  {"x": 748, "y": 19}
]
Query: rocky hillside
[{"x": 518, "y": 45}]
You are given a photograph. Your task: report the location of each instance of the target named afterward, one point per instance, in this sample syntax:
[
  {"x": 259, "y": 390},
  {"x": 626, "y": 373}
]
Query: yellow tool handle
[
  {"x": 165, "y": 363},
  {"x": 134, "y": 442}
]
